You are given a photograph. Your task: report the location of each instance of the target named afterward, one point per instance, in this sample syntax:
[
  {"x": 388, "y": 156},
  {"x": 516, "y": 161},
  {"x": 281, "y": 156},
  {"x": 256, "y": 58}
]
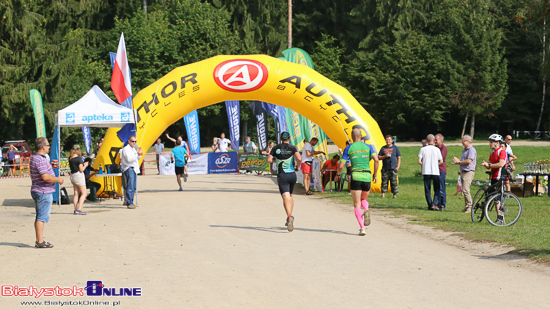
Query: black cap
[{"x": 285, "y": 136}]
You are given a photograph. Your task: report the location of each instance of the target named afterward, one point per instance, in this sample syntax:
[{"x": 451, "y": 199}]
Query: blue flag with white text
[
  {"x": 234, "y": 118},
  {"x": 193, "y": 134},
  {"x": 87, "y": 139}
]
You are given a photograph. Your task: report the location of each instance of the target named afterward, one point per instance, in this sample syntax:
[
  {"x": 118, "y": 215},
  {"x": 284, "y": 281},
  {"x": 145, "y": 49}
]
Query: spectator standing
[
  {"x": 223, "y": 143},
  {"x": 497, "y": 164},
  {"x": 508, "y": 141},
  {"x": 391, "y": 162},
  {"x": 250, "y": 147},
  {"x": 442, "y": 171},
  {"x": 307, "y": 157},
  {"x": 11, "y": 159},
  {"x": 467, "y": 170},
  {"x": 129, "y": 161},
  {"x": 430, "y": 158},
  {"x": 288, "y": 159},
  {"x": 77, "y": 166},
  {"x": 215, "y": 144},
  {"x": 42, "y": 189},
  {"x": 178, "y": 155},
  {"x": 98, "y": 145},
  {"x": 159, "y": 149}
]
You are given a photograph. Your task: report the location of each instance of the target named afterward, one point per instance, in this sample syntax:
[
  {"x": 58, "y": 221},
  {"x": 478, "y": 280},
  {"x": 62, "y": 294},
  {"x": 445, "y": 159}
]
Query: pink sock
[
  {"x": 365, "y": 204},
  {"x": 359, "y": 216}
]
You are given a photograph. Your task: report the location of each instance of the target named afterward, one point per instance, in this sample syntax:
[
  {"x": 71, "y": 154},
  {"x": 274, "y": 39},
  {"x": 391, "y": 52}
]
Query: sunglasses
[{"x": 132, "y": 141}]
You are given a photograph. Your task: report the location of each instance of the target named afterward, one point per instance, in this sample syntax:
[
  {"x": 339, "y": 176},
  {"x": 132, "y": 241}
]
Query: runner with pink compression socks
[{"x": 360, "y": 155}]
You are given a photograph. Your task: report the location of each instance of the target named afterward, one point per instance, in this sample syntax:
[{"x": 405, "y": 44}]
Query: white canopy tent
[{"x": 94, "y": 109}]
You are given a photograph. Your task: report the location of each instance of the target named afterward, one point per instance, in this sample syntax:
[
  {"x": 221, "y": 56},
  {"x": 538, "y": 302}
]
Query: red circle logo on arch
[{"x": 240, "y": 75}]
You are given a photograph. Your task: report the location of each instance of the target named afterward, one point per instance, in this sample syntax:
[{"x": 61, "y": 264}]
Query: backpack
[{"x": 64, "y": 196}]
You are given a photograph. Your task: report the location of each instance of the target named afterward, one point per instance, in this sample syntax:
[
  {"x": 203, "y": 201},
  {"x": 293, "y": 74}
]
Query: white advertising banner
[
  {"x": 165, "y": 166},
  {"x": 315, "y": 176},
  {"x": 198, "y": 164}
]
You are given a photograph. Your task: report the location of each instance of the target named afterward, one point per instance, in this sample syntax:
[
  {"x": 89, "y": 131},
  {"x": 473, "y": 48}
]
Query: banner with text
[
  {"x": 234, "y": 118},
  {"x": 261, "y": 123},
  {"x": 253, "y": 161},
  {"x": 223, "y": 162},
  {"x": 87, "y": 139},
  {"x": 166, "y": 167},
  {"x": 192, "y": 127},
  {"x": 198, "y": 165}
]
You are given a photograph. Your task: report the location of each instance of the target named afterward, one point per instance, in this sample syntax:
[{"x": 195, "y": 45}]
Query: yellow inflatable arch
[{"x": 252, "y": 77}]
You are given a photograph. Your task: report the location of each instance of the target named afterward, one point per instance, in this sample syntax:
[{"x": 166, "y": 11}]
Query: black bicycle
[{"x": 491, "y": 201}]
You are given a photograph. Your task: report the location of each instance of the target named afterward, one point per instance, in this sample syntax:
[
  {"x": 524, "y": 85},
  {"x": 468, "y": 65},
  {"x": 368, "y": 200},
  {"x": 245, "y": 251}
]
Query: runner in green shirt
[{"x": 360, "y": 155}]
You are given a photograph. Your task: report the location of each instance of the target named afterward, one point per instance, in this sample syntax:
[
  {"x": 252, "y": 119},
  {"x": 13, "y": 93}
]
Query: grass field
[{"x": 530, "y": 235}]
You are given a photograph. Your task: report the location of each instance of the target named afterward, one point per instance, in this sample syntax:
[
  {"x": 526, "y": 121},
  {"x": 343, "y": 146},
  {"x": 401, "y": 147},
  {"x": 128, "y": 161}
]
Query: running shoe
[
  {"x": 366, "y": 218},
  {"x": 362, "y": 232},
  {"x": 500, "y": 220},
  {"x": 290, "y": 224},
  {"x": 79, "y": 212},
  {"x": 181, "y": 189},
  {"x": 185, "y": 177}
]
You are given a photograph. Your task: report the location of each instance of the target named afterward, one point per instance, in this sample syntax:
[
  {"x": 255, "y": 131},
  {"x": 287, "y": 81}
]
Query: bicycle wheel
[
  {"x": 508, "y": 204},
  {"x": 478, "y": 206}
]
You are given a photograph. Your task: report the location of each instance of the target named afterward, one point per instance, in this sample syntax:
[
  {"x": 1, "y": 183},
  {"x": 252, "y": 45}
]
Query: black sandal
[
  {"x": 309, "y": 193},
  {"x": 43, "y": 245}
]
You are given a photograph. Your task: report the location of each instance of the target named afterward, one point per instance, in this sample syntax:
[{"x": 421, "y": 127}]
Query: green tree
[{"x": 481, "y": 66}]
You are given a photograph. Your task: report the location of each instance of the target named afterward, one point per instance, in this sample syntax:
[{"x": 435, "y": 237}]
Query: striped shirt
[{"x": 39, "y": 165}]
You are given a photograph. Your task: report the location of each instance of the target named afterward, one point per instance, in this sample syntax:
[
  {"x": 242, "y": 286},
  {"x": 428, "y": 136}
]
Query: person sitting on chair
[
  {"x": 93, "y": 186},
  {"x": 328, "y": 176}
]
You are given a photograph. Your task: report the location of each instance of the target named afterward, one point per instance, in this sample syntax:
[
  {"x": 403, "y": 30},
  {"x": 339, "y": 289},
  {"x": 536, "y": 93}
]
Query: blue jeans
[
  {"x": 131, "y": 181},
  {"x": 43, "y": 205},
  {"x": 428, "y": 179},
  {"x": 443, "y": 188}
]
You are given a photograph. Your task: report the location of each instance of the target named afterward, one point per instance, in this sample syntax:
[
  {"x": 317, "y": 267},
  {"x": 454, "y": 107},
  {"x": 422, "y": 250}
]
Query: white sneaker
[{"x": 362, "y": 232}]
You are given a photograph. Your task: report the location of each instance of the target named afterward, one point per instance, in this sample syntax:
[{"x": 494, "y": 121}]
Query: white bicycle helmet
[{"x": 495, "y": 137}]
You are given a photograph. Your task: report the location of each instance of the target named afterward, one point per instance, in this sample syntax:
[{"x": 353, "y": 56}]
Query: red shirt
[{"x": 497, "y": 155}]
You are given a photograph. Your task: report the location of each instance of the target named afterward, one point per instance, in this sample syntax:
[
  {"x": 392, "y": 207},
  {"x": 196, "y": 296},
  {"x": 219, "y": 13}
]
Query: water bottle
[
  {"x": 100, "y": 169},
  {"x": 108, "y": 169}
]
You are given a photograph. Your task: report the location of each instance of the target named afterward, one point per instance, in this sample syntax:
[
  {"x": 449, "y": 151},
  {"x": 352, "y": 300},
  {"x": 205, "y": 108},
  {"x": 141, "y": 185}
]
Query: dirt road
[{"x": 221, "y": 243}]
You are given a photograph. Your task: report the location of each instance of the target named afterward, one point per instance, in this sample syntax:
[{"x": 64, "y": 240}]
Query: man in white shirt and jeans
[
  {"x": 223, "y": 143},
  {"x": 430, "y": 158},
  {"x": 129, "y": 161},
  {"x": 307, "y": 160}
]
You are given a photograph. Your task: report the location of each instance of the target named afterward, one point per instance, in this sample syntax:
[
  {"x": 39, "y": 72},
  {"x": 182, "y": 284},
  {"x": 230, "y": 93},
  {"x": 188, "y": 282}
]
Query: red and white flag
[{"x": 120, "y": 80}]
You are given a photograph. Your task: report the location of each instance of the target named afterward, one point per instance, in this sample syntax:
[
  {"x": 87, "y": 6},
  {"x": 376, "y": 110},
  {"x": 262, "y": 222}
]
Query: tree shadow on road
[
  {"x": 18, "y": 203},
  {"x": 280, "y": 229},
  {"x": 16, "y": 244}
]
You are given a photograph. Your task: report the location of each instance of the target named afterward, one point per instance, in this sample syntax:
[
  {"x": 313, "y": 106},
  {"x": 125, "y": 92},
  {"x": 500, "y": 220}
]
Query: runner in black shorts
[{"x": 288, "y": 160}]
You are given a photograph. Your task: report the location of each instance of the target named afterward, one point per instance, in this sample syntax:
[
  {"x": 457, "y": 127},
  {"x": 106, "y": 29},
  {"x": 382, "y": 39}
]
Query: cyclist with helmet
[
  {"x": 288, "y": 160},
  {"x": 497, "y": 164}
]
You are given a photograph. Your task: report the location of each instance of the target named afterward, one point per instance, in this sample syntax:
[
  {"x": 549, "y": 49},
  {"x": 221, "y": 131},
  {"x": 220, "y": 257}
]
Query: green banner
[
  {"x": 36, "y": 101},
  {"x": 300, "y": 128},
  {"x": 253, "y": 161}
]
